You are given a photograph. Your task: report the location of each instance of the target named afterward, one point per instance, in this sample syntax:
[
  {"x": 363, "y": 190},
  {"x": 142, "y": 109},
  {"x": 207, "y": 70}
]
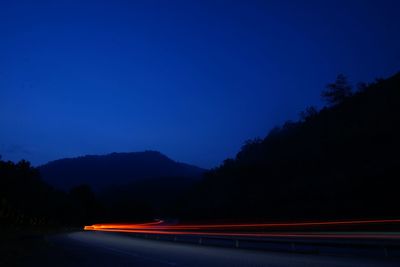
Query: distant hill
[{"x": 102, "y": 171}]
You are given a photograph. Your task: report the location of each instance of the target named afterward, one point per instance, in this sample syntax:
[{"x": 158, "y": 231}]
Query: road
[{"x": 111, "y": 249}]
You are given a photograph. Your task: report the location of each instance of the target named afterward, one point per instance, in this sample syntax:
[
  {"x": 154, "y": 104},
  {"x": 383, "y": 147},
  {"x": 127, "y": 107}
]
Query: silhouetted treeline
[
  {"x": 342, "y": 161},
  {"x": 25, "y": 200}
]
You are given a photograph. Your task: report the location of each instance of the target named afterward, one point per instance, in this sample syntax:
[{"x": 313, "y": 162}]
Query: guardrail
[{"x": 370, "y": 248}]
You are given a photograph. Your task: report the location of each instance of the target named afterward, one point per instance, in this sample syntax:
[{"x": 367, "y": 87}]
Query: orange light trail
[
  {"x": 123, "y": 226},
  {"x": 241, "y": 230}
]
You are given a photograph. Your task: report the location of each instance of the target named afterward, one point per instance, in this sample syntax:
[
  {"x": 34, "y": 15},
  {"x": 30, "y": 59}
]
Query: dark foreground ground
[{"x": 109, "y": 249}]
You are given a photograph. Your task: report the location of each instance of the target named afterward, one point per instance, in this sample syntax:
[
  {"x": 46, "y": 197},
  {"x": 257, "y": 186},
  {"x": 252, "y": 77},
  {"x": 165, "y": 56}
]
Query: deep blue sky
[{"x": 192, "y": 79}]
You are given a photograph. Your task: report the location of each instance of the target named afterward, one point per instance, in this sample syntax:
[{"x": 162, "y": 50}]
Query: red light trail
[{"x": 250, "y": 230}]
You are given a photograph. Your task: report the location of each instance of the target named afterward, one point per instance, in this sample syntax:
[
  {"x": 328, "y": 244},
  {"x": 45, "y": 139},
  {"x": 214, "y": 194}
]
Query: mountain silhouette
[{"x": 102, "y": 171}]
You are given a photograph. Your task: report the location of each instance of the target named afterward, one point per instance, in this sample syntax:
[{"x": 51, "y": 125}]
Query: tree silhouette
[
  {"x": 308, "y": 113},
  {"x": 338, "y": 91},
  {"x": 26, "y": 200},
  {"x": 362, "y": 86}
]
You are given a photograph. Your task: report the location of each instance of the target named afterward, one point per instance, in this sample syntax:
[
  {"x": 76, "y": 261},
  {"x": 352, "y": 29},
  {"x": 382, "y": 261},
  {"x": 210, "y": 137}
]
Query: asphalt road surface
[{"x": 111, "y": 249}]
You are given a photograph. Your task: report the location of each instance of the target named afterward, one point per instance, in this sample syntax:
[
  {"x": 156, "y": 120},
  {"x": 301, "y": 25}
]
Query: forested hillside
[{"x": 339, "y": 162}]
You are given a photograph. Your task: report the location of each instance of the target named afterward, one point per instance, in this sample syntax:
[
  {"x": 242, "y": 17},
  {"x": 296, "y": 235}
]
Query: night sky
[{"x": 192, "y": 79}]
